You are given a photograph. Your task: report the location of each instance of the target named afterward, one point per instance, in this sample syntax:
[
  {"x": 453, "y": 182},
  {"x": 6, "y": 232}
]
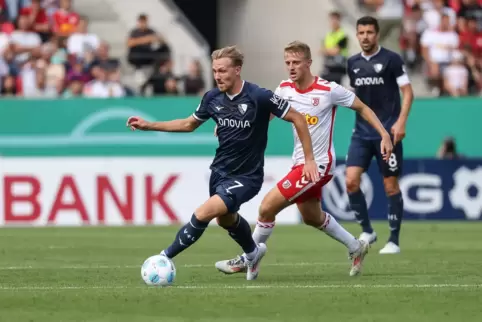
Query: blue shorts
[
  {"x": 361, "y": 153},
  {"x": 233, "y": 191}
]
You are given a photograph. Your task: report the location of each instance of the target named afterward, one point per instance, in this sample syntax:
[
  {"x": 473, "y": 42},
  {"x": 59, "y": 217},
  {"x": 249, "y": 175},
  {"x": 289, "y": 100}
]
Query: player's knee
[
  {"x": 267, "y": 213},
  {"x": 391, "y": 186},
  {"x": 352, "y": 184}
]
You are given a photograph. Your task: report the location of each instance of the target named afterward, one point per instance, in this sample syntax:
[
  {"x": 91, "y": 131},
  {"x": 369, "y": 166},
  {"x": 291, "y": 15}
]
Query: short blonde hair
[
  {"x": 231, "y": 52},
  {"x": 299, "y": 47}
]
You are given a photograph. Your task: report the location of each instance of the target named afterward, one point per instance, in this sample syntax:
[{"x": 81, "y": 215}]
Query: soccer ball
[{"x": 158, "y": 270}]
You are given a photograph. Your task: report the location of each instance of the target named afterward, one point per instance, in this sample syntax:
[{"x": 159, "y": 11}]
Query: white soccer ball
[{"x": 158, "y": 270}]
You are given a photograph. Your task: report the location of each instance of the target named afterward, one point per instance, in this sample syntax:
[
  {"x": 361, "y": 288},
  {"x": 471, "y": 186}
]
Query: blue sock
[
  {"x": 241, "y": 233},
  {"x": 395, "y": 215},
  {"x": 359, "y": 205},
  {"x": 186, "y": 236}
]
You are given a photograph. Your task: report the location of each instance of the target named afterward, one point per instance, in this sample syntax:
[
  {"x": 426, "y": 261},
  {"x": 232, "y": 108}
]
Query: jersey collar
[
  {"x": 231, "y": 97},
  {"x": 372, "y": 55}
]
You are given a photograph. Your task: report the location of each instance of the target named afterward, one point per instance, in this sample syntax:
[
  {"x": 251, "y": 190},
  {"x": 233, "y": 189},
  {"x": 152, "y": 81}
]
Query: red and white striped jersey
[{"x": 318, "y": 104}]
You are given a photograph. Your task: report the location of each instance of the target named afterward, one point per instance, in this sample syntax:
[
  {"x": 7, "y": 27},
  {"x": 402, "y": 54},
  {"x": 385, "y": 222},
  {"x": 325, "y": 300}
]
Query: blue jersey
[
  {"x": 242, "y": 122},
  {"x": 376, "y": 80}
]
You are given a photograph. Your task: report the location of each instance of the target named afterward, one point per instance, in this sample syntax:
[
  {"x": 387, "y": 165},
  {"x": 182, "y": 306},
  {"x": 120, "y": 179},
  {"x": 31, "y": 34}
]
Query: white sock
[
  {"x": 252, "y": 255},
  {"x": 333, "y": 229},
  {"x": 262, "y": 231}
]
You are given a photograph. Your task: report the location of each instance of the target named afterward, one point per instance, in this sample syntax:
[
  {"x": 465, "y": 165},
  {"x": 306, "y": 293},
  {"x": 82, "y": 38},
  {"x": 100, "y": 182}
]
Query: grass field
[{"x": 93, "y": 274}]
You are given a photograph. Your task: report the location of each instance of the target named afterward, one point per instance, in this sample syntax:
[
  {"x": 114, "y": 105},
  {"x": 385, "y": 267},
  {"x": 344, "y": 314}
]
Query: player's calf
[
  {"x": 357, "y": 198},
  {"x": 395, "y": 209},
  {"x": 193, "y": 230},
  {"x": 240, "y": 231}
]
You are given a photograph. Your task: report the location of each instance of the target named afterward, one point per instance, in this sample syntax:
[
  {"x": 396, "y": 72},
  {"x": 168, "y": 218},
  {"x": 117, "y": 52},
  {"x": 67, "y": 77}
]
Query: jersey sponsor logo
[
  {"x": 369, "y": 81},
  {"x": 315, "y": 101},
  {"x": 311, "y": 120},
  {"x": 234, "y": 123}
]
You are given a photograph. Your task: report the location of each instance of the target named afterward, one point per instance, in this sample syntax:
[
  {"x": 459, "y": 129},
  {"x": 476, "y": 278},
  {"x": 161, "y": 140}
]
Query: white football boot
[
  {"x": 390, "y": 248},
  {"x": 368, "y": 238},
  {"x": 253, "y": 265},
  {"x": 232, "y": 266},
  {"x": 357, "y": 257}
]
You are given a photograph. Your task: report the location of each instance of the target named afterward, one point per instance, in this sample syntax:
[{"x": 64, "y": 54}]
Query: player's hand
[
  {"x": 216, "y": 131},
  {"x": 310, "y": 171},
  {"x": 386, "y": 147},
  {"x": 137, "y": 123},
  {"x": 398, "y": 131}
]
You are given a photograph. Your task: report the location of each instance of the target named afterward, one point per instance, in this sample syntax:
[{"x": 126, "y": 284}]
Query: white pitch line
[
  {"x": 7, "y": 268},
  {"x": 247, "y": 287}
]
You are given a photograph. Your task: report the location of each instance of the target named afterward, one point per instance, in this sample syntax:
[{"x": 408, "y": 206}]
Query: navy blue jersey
[
  {"x": 376, "y": 80},
  {"x": 242, "y": 131}
]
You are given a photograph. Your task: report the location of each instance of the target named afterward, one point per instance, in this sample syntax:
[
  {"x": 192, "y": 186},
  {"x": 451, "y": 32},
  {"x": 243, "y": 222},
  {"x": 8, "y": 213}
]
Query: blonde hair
[
  {"x": 299, "y": 47},
  {"x": 231, "y": 52}
]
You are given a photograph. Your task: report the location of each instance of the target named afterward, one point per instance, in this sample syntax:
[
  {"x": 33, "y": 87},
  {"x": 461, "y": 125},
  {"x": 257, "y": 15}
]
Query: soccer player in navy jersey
[
  {"x": 242, "y": 112},
  {"x": 377, "y": 75}
]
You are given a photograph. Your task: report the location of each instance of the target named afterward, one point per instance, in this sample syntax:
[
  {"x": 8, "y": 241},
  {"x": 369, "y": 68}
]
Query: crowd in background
[
  {"x": 442, "y": 39},
  {"x": 47, "y": 51}
]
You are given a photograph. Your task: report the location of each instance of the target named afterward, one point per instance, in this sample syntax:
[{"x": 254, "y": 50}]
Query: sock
[
  {"x": 333, "y": 229},
  {"x": 241, "y": 233},
  {"x": 262, "y": 231},
  {"x": 359, "y": 205},
  {"x": 395, "y": 214},
  {"x": 186, "y": 236}
]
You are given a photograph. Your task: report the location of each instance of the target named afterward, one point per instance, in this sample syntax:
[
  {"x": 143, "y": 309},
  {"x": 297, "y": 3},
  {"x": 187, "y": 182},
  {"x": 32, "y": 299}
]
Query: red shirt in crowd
[
  {"x": 40, "y": 19},
  {"x": 65, "y": 22}
]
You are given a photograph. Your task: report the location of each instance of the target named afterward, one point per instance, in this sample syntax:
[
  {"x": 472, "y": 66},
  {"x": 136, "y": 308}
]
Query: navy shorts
[
  {"x": 233, "y": 191},
  {"x": 361, "y": 152}
]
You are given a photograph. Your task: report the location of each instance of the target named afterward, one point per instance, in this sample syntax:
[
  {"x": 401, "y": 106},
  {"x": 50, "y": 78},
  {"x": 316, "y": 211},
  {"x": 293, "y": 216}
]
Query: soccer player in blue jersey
[
  {"x": 242, "y": 112},
  {"x": 377, "y": 75}
]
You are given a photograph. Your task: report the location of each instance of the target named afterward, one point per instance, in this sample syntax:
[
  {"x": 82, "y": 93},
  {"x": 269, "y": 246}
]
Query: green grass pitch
[{"x": 93, "y": 274}]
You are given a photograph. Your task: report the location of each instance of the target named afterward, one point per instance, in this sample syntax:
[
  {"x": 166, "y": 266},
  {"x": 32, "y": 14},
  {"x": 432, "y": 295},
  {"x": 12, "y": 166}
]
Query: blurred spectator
[
  {"x": 471, "y": 9},
  {"x": 161, "y": 80},
  {"x": 146, "y": 47},
  {"x": 437, "y": 47},
  {"x": 25, "y": 43},
  {"x": 102, "y": 86},
  {"x": 456, "y": 76},
  {"x": 37, "y": 19},
  {"x": 475, "y": 76},
  {"x": 13, "y": 7},
  {"x": 75, "y": 87},
  {"x": 448, "y": 150},
  {"x": 9, "y": 86},
  {"x": 335, "y": 50},
  {"x": 50, "y": 7},
  {"x": 193, "y": 81},
  {"x": 102, "y": 57},
  {"x": 78, "y": 72},
  {"x": 40, "y": 88},
  {"x": 81, "y": 40},
  {"x": 412, "y": 28},
  {"x": 434, "y": 15},
  {"x": 65, "y": 20}
]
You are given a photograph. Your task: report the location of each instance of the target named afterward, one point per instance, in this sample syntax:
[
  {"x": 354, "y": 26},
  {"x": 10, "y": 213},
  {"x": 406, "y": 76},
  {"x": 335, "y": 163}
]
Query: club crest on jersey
[
  {"x": 378, "y": 67},
  {"x": 315, "y": 101},
  {"x": 242, "y": 108}
]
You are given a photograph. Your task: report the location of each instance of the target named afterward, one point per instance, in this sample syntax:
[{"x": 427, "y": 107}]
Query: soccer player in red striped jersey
[{"x": 317, "y": 99}]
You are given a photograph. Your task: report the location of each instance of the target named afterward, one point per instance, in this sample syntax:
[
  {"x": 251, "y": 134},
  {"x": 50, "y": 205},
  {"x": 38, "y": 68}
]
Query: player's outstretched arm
[
  {"x": 188, "y": 124},
  {"x": 372, "y": 119},
  {"x": 299, "y": 121}
]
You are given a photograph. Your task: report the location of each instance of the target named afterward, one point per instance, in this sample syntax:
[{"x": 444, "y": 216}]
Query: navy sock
[
  {"x": 359, "y": 205},
  {"x": 186, "y": 236},
  {"x": 395, "y": 215},
  {"x": 241, "y": 233}
]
